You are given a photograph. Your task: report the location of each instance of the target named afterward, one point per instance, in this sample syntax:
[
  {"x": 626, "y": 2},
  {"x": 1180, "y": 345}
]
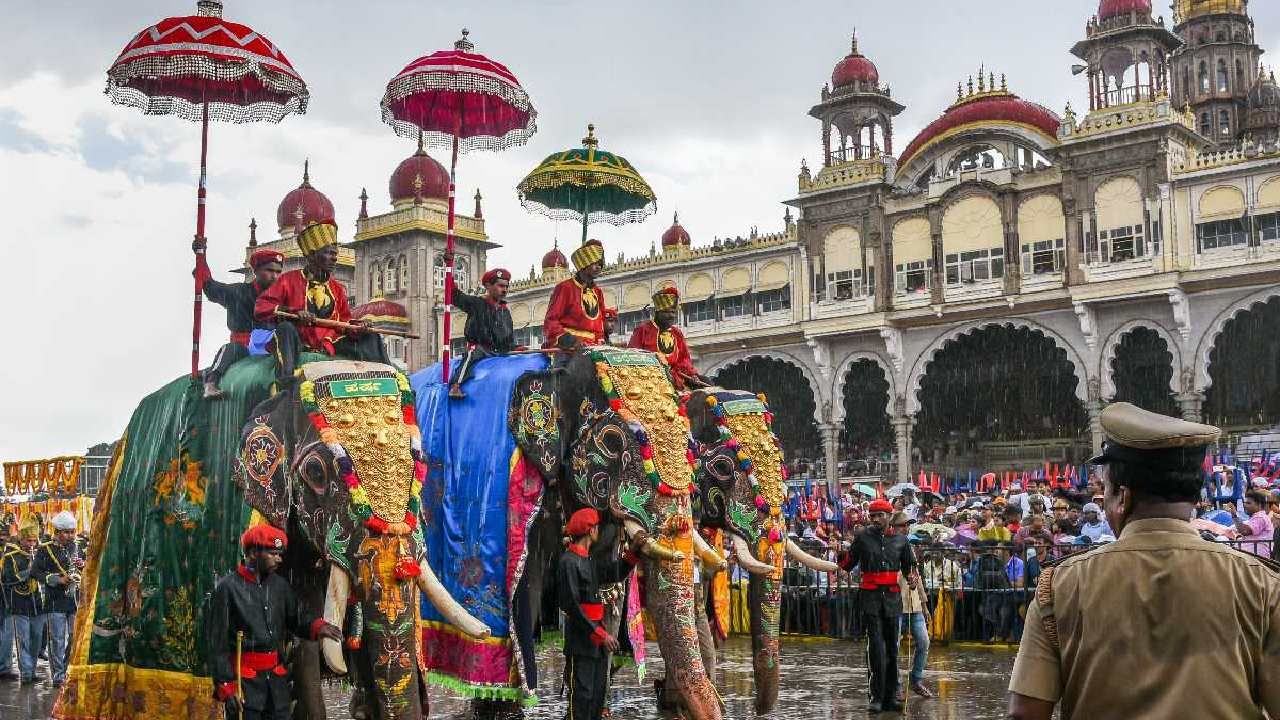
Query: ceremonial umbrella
[
  {"x": 201, "y": 67},
  {"x": 588, "y": 184},
  {"x": 465, "y": 101}
]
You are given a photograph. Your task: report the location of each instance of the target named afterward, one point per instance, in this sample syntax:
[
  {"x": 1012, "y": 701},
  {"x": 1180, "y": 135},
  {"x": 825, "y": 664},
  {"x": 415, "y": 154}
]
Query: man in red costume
[
  {"x": 660, "y": 335},
  {"x": 575, "y": 316},
  {"x": 313, "y": 293}
]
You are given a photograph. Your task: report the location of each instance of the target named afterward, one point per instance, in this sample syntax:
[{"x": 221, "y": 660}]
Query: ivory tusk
[
  {"x": 711, "y": 560},
  {"x": 795, "y": 553},
  {"x": 651, "y": 547},
  {"x": 335, "y": 613},
  {"x": 747, "y": 560},
  {"x": 453, "y": 613}
]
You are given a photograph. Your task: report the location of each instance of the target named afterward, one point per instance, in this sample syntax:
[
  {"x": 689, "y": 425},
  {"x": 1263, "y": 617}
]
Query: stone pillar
[
  {"x": 830, "y": 451},
  {"x": 902, "y": 434},
  {"x": 1094, "y": 408},
  {"x": 1192, "y": 404}
]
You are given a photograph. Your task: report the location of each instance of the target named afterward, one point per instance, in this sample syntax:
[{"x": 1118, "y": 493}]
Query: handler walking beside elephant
[
  {"x": 578, "y": 581},
  {"x": 882, "y": 558},
  {"x": 252, "y": 612}
]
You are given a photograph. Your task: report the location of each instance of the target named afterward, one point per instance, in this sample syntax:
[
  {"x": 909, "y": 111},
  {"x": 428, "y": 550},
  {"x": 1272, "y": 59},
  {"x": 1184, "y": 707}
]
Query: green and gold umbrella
[{"x": 588, "y": 184}]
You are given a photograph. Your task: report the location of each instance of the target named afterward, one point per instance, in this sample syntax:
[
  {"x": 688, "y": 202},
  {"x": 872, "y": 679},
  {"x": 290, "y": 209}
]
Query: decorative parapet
[
  {"x": 419, "y": 217},
  {"x": 1123, "y": 117},
  {"x": 852, "y": 172},
  {"x": 1242, "y": 152},
  {"x": 675, "y": 257}
]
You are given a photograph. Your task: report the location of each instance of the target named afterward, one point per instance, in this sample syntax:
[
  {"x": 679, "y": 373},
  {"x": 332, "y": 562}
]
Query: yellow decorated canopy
[{"x": 588, "y": 184}]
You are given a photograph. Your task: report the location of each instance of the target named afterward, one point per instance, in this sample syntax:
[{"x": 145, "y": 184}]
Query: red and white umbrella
[
  {"x": 201, "y": 67},
  {"x": 464, "y": 101}
]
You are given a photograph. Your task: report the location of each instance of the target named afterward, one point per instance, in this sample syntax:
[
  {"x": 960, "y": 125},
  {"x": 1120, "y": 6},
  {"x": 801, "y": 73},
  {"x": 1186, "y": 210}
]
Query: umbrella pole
[
  {"x": 200, "y": 204},
  {"x": 448, "y": 255}
]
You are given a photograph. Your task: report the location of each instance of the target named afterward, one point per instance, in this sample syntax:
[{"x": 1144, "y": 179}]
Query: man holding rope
[
  {"x": 660, "y": 335},
  {"x": 300, "y": 301}
]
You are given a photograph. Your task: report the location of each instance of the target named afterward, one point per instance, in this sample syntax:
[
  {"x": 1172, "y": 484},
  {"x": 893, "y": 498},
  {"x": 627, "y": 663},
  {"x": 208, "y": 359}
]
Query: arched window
[
  {"x": 390, "y": 276},
  {"x": 1224, "y": 123},
  {"x": 1224, "y": 77},
  {"x": 375, "y": 280},
  {"x": 404, "y": 274},
  {"x": 1186, "y": 83},
  {"x": 1204, "y": 76}
]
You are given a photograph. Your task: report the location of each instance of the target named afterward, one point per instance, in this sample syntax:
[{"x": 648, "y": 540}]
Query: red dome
[
  {"x": 676, "y": 234},
  {"x": 381, "y": 309},
  {"x": 554, "y": 259},
  {"x": 315, "y": 206},
  {"x": 435, "y": 179},
  {"x": 852, "y": 69},
  {"x": 997, "y": 108},
  {"x": 1108, "y": 9}
]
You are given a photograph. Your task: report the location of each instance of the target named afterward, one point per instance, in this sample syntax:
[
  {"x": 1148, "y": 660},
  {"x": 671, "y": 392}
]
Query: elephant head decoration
[
  {"x": 605, "y": 431},
  {"x": 743, "y": 481},
  {"x": 336, "y": 461}
]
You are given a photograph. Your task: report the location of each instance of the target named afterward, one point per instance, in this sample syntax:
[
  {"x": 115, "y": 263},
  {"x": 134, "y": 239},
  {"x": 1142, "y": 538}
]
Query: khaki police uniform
[{"x": 1160, "y": 623}]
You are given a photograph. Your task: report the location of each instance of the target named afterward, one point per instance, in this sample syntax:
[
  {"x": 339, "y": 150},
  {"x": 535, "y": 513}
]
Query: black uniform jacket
[
  {"x": 875, "y": 552},
  {"x": 54, "y": 558},
  {"x": 267, "y": 612},
  {"x": 238, "y": 298},
  {"x": 578, "y": 581},
  {"x": 488, "y": 323},
  {"x": 22, "y": 590}
]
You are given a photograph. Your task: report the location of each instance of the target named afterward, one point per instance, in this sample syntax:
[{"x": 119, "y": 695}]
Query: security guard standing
[
  {"x": 1160, "y": 623},
  {"x": 256, "y": 607},
  {"x": 578, "y": 581},
  {"x": 881, "y": 557}
]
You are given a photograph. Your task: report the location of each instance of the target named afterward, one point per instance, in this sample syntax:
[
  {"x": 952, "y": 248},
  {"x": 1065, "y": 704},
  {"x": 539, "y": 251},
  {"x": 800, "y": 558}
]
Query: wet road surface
[{"x": 821, "y": 680}]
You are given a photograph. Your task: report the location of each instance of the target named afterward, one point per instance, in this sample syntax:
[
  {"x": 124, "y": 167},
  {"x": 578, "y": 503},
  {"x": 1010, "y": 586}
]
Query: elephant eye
[{"x": 314, "y": 472}]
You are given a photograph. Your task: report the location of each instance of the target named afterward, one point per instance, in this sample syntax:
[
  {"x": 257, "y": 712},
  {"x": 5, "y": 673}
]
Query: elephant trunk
[
  {"x": 449, "y": 608},
  {"x": 670, "y": 601},
  {"x": 712, "y": 561},
  {"x": 335, "y": 613},
  {"x": 764, "y": 600},
  {"x": 651, "y": 548},
  {"x": 795, "y": 553}
]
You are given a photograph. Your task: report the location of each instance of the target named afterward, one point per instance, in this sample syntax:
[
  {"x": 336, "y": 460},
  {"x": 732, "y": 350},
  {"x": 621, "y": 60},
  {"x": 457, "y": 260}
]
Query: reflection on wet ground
[{"x": 821, "y": 680}]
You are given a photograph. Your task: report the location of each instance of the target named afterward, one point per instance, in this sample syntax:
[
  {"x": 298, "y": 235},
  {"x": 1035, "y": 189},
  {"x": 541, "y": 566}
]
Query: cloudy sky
[{"x": 708, "y": 100}]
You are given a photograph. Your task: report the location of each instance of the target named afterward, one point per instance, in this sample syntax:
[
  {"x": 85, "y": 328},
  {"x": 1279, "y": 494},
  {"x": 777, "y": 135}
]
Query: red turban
[
  {"x": 265, "y": 536},
  {"x": 262, "y": 257},
  {"x": 581, "y": 522},
  {"x": 880, "y": 505},
  {"x": 495, "y": 275}
]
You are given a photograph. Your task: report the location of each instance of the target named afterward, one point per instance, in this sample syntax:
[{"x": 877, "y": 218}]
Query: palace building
[{"x": 974, "y": 299}]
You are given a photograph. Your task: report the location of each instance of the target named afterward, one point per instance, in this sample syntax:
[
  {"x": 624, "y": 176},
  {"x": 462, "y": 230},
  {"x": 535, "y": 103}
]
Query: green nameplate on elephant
[
  {"x": 628, "y": 358},
  {"x": 368, "y": 387},
  {"x": 743, "y": 406}
]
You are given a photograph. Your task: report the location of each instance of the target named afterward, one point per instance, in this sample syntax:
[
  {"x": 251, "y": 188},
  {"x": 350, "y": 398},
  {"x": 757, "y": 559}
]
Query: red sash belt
[
  {"x": 884, "y": 579},
  {"x": 251, "y": 663},
  {"x": 593, "y": 611},
  {"x": 240, "y": 338}
]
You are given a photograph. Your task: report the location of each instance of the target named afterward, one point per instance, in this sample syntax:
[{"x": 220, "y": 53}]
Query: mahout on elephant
[{"x": 602, "y": 430}]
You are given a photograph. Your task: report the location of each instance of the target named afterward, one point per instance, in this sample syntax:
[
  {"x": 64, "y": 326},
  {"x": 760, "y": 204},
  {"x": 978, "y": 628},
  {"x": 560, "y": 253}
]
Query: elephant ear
[
  {"x": 536, "y": 423},
  {"x": 262, "y": 468},
  {"x": 717, "y": 485}
]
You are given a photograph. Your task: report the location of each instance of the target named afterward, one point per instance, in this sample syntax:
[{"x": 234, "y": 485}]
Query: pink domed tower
[
  {"x": 1127, "y": 51},
  {"x": 859, "y": 110}
]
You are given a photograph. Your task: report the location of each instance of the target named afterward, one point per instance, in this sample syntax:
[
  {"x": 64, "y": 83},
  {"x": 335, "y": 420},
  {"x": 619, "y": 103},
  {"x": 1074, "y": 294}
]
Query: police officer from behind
[
  {"x": 578, "y": 581},
  {"x": 1159, "y": 623},
  {"x": 254, "y": 600},
  {"x": 881, "y": 557}
]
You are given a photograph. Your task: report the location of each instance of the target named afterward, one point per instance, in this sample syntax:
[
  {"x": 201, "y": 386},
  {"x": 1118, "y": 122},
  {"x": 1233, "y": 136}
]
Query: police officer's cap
[{"x": 1140, "y": 437}]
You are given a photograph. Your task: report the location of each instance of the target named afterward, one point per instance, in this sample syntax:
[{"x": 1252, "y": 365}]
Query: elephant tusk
[
  {"x": 651, "y": 547},
  {"x": 711, "y": 560},
  {"x": 335, "y": 613},
  {"x": 747, "y": 560},
  {"x": 453, "y": 613},
  {"x": 795, "y": 553}
]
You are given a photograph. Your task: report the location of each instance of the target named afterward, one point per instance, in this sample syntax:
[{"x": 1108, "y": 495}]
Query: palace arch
[{"x": 783, "y": 384}]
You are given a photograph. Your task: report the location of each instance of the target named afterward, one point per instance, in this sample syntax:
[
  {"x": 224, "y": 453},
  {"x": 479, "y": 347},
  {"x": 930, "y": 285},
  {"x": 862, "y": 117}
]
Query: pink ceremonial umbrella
[
  {"x": 465, "y": 101},
  {"x": 201, "y": 67}
]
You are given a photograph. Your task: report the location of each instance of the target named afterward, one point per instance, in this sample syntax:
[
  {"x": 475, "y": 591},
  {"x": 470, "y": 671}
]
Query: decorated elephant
[
  {"x": 603, "y": 431},
  {"x": 337, "y": 462},
  {"x": 742, "y": 481}
]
